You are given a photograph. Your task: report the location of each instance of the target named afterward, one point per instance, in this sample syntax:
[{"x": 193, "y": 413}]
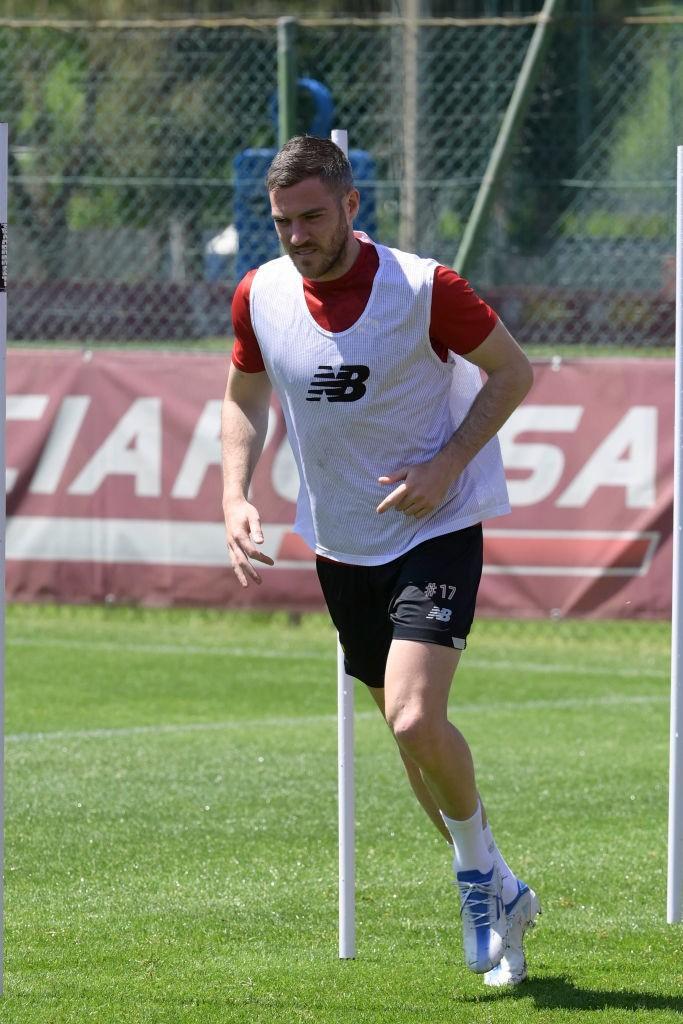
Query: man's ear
[{"x": 353, "y": 202}]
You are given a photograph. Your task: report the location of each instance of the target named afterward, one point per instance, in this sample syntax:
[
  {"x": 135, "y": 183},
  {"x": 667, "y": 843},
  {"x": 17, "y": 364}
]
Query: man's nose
[{"x": 299, "y": 232}]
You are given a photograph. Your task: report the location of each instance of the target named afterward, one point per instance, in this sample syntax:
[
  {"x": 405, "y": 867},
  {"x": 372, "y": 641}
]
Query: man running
[{"x": 375, "y": 355}]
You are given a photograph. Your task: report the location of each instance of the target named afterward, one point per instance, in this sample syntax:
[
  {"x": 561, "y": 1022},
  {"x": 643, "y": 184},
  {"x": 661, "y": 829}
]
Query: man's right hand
[{"x": 243, "y": 529}]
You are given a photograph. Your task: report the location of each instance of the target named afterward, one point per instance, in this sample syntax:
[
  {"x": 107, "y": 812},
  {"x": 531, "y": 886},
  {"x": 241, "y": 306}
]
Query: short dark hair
[{"x": 307, "y": 156}]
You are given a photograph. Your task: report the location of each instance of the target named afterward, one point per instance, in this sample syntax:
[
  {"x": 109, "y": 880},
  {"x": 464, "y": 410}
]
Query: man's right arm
[{"x": 244, "y": 419}]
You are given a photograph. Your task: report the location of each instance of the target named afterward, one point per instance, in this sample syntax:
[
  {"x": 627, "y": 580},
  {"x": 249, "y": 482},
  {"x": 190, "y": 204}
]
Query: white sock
[
  {"x": 470, "y": 849},
  {"x": 507, "y": 875}
]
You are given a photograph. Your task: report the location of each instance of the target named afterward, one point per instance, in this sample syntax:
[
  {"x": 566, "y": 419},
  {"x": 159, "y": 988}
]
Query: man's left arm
[{"x": 509, "y": 376}]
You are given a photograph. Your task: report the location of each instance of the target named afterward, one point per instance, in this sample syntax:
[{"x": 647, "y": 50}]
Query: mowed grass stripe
[
  {"x": 228, "y": 651},
  {"x": 489, "y": 708}
]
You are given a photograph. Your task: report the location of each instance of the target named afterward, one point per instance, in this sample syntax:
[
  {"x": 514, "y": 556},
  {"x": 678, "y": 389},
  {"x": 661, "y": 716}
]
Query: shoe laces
[{"x": 480, "y": 901}]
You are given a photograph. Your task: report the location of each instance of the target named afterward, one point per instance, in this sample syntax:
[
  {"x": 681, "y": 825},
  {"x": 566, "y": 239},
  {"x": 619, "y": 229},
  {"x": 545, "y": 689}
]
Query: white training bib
[{"x": 364, "y": 402}]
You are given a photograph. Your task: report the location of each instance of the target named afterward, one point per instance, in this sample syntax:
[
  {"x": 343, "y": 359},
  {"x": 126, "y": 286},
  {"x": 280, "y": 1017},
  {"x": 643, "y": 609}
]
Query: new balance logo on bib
[{"x": 344, "y": 386}]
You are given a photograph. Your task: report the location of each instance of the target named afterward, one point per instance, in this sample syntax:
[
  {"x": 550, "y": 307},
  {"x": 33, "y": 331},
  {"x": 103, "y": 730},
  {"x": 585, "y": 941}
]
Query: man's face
[{"x": 315, "y": 226}]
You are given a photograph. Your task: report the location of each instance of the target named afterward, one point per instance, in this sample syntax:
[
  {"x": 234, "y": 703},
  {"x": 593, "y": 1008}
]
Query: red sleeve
[
  {"x": 246, "y": 354},
  {"x": 460, "y": 319}
]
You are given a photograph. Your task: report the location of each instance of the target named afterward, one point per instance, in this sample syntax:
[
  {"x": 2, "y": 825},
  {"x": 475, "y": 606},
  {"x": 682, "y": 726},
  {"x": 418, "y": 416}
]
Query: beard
[{"x": 320, "y": 260}]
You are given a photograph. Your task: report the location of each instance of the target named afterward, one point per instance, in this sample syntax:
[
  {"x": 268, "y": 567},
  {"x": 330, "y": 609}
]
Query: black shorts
[{"x": 427, "y": 594}]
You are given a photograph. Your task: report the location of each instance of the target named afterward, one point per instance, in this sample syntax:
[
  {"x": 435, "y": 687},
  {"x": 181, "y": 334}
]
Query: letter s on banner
[{"x": 545, "y": 462}]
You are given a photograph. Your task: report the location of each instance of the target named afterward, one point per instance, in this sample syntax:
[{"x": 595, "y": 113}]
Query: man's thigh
[{"x": 418, "y": 678}]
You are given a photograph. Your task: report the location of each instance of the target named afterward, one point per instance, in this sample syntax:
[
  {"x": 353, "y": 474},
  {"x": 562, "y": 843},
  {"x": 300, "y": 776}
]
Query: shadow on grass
[{"x": 559, "y": 993}]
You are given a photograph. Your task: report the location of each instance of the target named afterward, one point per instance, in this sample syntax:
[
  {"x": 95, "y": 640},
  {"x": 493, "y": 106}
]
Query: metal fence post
[
  {"x": 502, "y": 149},
  {"x": 408, "y": 222},
  {"x": 286, "y": 78}
]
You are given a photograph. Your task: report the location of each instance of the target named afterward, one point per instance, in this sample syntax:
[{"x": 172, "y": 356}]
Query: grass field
[
  {"x": 224, "y": 344},
  {"x": 171, "y": 826}
]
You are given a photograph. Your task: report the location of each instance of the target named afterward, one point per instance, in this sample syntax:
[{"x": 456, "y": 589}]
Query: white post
[
  {"x": 345, "y": 781},
  {"x": 674, "y": 908},
  {"x": 341, "y": 139},
  {"x": 3, "y": 359},
  {"x": 345, "y": 784}
]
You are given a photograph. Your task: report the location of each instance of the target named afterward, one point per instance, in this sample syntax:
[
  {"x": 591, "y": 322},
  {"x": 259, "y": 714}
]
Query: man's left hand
[{"x": 421, "y": 489}]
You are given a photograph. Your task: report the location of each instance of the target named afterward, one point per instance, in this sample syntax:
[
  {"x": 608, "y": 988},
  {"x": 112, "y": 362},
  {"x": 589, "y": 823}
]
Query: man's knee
[{"x": 415, "y": 729}]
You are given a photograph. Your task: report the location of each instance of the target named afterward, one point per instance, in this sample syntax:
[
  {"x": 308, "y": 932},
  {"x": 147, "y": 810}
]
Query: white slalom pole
[
  {"x": 3, "y": 359},
  {"x": 674, "y": 908},
  {"x": 345, "y": 780},
  {"x": 347, "y": 853}
]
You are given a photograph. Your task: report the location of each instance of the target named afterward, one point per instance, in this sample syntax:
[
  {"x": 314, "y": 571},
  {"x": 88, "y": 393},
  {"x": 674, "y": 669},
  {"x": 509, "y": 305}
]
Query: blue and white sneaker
[
  {"x": 483, "y": 918},
  {"x": 521, "y": 915}
]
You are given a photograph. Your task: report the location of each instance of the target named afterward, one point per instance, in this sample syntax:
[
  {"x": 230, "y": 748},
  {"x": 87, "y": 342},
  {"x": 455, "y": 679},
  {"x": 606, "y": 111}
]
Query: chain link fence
[{"x": 127, "y": 171}]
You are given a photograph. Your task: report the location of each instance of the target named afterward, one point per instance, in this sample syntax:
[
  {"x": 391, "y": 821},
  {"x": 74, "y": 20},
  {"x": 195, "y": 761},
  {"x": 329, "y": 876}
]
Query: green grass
[
  {"x": 171, "y": 826},
  {"x": 224, "y": 344},
  {"x": 201, "y": 345}
]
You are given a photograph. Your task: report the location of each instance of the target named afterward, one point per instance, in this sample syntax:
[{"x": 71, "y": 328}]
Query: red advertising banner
[
  {"x": 114, "y": 489},
  {"x": 589, "y": 463}
]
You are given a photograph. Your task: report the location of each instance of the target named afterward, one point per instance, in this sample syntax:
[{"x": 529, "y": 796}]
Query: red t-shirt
[{"x": 460, "y": 320}]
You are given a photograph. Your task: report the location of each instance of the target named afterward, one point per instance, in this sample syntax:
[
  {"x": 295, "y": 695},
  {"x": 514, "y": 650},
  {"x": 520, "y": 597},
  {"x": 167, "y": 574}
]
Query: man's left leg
[
  {"x": 417, "y": 683},
  {"x": 417, "y": 784}
]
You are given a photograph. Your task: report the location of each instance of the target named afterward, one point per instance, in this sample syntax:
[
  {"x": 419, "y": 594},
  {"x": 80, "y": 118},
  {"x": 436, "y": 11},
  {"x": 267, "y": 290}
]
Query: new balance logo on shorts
[
  {"x": 442, "y": 614},
  {"x": 344, "y": 386}
]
